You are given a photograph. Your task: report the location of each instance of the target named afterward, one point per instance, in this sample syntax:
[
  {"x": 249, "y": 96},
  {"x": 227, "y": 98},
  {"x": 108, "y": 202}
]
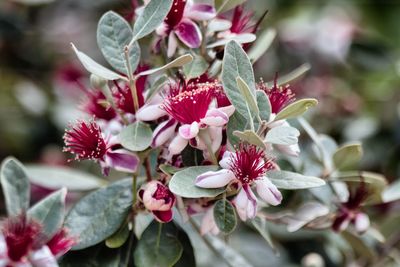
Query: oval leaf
[
  {"x": 236, "y": 123},
  {"x": 291, "y": 180},
  {"x": 99, "y": 214},
  {"x": 296, "y": 109},
  {"x": 136, "y": 137},
  {"x": 56, "y": 177},
  {"x": 158, "y": 246},
  {"x": 49, "y": 212},
  {"x": 195, "y": 68},
  {"x": 178, "y": 62},
  {"x": 264, "y": 105},
  {"x": 182, "y": 183},
  {"x": 95, "y": 68},
  {"x": 119, "y": 237},
  {"x": 152, "y": 16},
  {"x": 237, "y": 64},
  {"x": 348, "y": 156},
  {"x": 113, "y": 34},
  {"x": 15, "y": 184},
  {"x": 250, "y": 137},
  {"x": 225, "y": 216},
  {"x": 283, "y": 135},
  {"x": 249, "y": 98},
  {"x": 372, "y": 178}
]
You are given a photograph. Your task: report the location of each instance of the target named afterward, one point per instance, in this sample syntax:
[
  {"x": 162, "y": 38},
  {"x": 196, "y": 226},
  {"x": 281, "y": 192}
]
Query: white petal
[
  {"x": 216, "y": 137},
  {"x": 163, "y": 132},
  {"x": 177, "y": 145},
  {"x": 268, "y": 191},
  {"x": 216, "y": 179},
  {"x": 228, "y": 110},
  {"x": 150, "y": 113},
  {"x": 217, "y": 25},
  {"x": 292, "y": 150},
  {"x": 172, "y": 44},
  {"x": 43, "y": 258},
  {"x": 361, "y": 222},
  {"x": 215, "y": 117},
  {"x": 226, "y": 160},
  {"x": 189, "y": 131},
  {"x": 246, "y": 203}
]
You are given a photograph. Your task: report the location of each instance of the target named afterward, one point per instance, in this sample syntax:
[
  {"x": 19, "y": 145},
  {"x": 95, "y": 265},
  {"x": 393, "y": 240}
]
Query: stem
[
  {"x": 147, "y": 167},
  {"x": 134, "y": 189},
  {"x": 206, "y": 139},
  {"x": 132, "y": 79}
]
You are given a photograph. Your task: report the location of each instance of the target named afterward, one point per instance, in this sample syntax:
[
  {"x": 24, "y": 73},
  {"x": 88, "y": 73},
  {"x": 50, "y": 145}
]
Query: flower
[
  {"x": 157, "y": 198},
  {"x": 246, "y": 166},
  {"x": 179, "y": 23},
  {"x": 350, "y": 213},
  {"x": 61, "y": 243},
  {"x": 96, "y": 105},
  {"x": 21, "y": 244},
  {"x": 86, "y": 141}
]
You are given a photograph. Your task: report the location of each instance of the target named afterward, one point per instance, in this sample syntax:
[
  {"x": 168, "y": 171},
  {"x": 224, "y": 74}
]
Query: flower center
[
  {"x": 279, "y": 96},
  {"x": 249, "y": 163},
  {"x": 85, "y": 141},
  {"x": 192, "y": 104},
  {"x": 96, "y": 105}
]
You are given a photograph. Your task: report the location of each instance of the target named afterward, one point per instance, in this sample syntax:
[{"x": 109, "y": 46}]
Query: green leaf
[
  {"x": 291, "y": 180},
  {"x": 168, "y": 169},
  {"x": 195, "y": 68},
  {"x": 225, "y": 216},
  {"x": 236, "y": 123},
  {"x": 263, "y": 105},
  {"x": 296, "y": 109},
  {"x": 152, "y": 16},
  {"x": 392, "y": 192},
  {"x": 250, "y": 99},
  {"x": 158, "y": 246},
  {"x": 95, "y": 68},
  {"x": 15, "y": 184},
  {"x": 99, "y": 214},
  {"x": 293, "y": 75},
  {"x": 224, "y": 5},
  {"x": 176, "y": 63},
  {"x": 261, "y": 226},
  {"x": 49, "y": 212},
  {"x": 372, "y": 178},
  {"x": 187, "y": 258},
  {"x": 136, "y": 137},
  {"x": 282, "y": 135},
  {"x": 250, "y": 137},
  {"x": 156, "y": 86},
  {"x": 348, "y": 156},
  {"x": 56, "y": 177},
  {"x": 119, "y": 237},
  {"x": 261, "y": 45},
  {"x": 182, "y": 183},
  {"x": 237, "y": 64},
  {"x": 113, "y": 34}
]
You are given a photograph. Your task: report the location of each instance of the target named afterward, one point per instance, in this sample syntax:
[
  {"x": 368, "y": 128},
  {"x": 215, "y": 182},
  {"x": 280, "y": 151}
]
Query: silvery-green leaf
[
  {"x": 348, "y": 155},
  {"x": 291, "y": 180},
  {"x": 224, "y": 5},
  {"x": 225, "y": 216},
  {"x": 178, "y": 62},
  {"x": 158, "y": 246},
  {"x": 136, "y": 137},
  {"x": 296, "y": 108},
  {"x": 15, "y": 185},
  {"x": 263, "y": 105},
  {"x": 113, "y": 34},
  {"x": 250, "y": 137},
  {"x": 282, "y": 135},
  {"x": 249, "y": 98},
  {"x": 375, "y": 179},
  {"x": 168, "y": 169},
  {"x": 195, "y": 68},
  {"x": 242, "y": 38},
  {"x": 49, "y": 212},
  {"x": 261, "y": 226},
  {"x": 237, "y": 64},
  {"x": 182, "y": 183},
  {"x": 156, "y": 86},
  {"x": 236, "y": 123},
  {"x": 56, "y": 177},
  {"x": 262, "y": 44},
  {"x": 119, "y": 238},
  {"x": 152, "y": 16},
  {"x": 95, "y": 68},
  {"x": 392, "y": 192},
  {"x": 293, "y": 75},
  {"x": 99, "y": 214}
]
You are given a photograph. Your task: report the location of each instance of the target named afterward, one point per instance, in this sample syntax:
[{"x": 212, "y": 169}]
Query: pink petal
[
  {"x": 172, "y": 44},
  {"x": 163, "y": 132},
  {"x": 216, "y": 137},
  {"x": 268, "y": 191},
  {"x": 189, "y": 33},
  {"x": 150, "y": 113},
  {"x": 200, "y": 11},
  {"x": 189, "y": 131},
  {"x": 246, "y": 203},
  {"x": 361, "y": 222},
  {"x": 216, "y": 179},
  {"x": 122, "y": 160},
  {"x": 228, "y": 110},
  {"x": 163, "y": 216},
  {"x": 291, "y": 150},
  {"x": 215, "y": 117},
  {"x": 43, "y": 258},
  {"x": 208, "y": 223},
  {"x": 226, "y": 160},
  {"x": 3, "y": 249},
  {"x": 177, "y": 145}
]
